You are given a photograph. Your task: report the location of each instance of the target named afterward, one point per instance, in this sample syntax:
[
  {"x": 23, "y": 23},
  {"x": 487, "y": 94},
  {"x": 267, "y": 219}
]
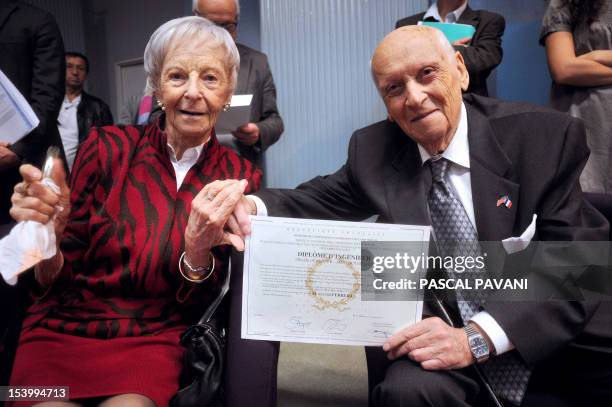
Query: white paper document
[
  {"x": 16, "y": 116},
  {"x": 238, "y": 115},
  {"x": 302, "y": 282}
]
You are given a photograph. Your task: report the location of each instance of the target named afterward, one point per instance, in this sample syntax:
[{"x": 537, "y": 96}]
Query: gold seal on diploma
[{"x": 329, "y": 286}]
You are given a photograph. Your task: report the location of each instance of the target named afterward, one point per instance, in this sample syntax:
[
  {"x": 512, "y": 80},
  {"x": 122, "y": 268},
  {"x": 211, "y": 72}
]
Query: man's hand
[
  {"x": 8, "y": 158},
  {"x": 462, "y": 42},
  {"x": 432, "y": 343},
  {"x": 247, "y": 134}
]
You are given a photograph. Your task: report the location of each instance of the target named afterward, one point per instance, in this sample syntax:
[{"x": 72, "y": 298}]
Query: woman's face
[{"x": 194, "y": 86}]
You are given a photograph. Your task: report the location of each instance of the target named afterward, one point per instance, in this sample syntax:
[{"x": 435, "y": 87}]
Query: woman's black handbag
[{"x": 201, "y": 380}]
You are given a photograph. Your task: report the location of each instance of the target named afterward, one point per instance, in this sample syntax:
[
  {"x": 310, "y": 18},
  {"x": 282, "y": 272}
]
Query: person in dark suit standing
[
  {"x": 80, "y": 111},
  {"x": 483, "y": 52},
  {"x": 464, "y": 166},
  {"x": 32, "y": 57},
  {"x": 254, "y": 77}
]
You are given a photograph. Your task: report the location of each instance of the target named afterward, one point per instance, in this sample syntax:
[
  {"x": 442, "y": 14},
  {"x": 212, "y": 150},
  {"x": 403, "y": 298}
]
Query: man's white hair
[
  {"x": 188, "y": 30},
  {"x": 194, "y": 7}
]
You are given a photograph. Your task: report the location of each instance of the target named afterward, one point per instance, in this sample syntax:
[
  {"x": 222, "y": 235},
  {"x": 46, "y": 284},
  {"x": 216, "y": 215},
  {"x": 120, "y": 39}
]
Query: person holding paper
[
  {"x": 32, "y": 57},
  {"x": 483, "y": 51},
  {"x": 464, "y": 166},
  {"x": 254, "y": 77},
  {"x": 141, "y": 245}
]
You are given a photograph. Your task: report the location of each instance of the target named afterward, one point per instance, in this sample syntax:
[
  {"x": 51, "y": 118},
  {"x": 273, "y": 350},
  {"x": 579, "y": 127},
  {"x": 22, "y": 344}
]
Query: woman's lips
[{"x": 191, "y": 113}]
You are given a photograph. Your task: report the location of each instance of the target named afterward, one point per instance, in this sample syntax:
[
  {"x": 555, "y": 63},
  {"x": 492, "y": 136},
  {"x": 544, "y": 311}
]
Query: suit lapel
[
  {"x": 5, "y": 12},
  {"x": 469, "y": 16},
  {"x": 244, "y": 75},
  {"x": 405, "y": 184},
  {"x": 491, "y": 178}
]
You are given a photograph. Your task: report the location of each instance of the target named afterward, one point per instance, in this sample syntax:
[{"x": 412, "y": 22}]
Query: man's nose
[{"x": 415, "y": 95}]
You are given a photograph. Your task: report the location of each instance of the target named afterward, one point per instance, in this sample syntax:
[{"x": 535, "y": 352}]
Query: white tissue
[{"x": 27, "y": 244}]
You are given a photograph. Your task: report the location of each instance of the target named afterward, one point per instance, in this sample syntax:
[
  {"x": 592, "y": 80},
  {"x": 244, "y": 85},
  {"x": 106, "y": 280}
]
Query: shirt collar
[
  {"x": 458, "y": 151},
  {"x": 433, "y": 12},
  {"x": 75, "y": 101},
  {"x": 190, "y": 156}
]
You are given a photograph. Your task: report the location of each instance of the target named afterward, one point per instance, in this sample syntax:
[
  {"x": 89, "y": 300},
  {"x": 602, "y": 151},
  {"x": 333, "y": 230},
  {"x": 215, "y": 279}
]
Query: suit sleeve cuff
[
  {"x": 261, "y": 206},
  {"x": 496, "y": 334}
]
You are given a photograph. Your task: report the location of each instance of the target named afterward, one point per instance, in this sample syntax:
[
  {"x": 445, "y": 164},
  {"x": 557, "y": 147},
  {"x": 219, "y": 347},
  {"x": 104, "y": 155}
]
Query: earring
[
  {"x": 226, "y": 107},
  {"x": 161, "y": 105}
]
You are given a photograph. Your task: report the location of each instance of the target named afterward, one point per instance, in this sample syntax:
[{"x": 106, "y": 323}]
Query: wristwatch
[{"x": 478, "y": 344}]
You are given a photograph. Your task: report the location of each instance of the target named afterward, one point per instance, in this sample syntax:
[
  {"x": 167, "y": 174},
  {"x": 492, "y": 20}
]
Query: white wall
[{"x": 320, "y": 51}]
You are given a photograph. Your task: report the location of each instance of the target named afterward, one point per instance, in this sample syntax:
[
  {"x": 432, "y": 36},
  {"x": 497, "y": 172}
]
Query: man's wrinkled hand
[
  {"x": 247, "y": 134},
  {"x": 432, "y": 343}
]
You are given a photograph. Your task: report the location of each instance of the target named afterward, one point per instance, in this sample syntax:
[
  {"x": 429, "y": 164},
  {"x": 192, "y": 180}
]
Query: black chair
[{"x": 603, "y": 203}]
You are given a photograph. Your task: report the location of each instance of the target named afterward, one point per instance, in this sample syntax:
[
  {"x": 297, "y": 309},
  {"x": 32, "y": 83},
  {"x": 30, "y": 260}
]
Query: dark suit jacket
[
  {"x": 92, "y": 112},
  {"x": 32, "y": 57},
  {"x": 532, "y": 154},
  {"x": 255, "y": 77},
  {"x": 485, "y": 50}
]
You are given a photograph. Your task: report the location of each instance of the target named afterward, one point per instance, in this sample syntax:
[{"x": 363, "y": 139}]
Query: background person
[
  {"x": 483, "y": 52},
  {"x": 140, "y": 236},
  {"x": 254, "y": 77},
  {"x": 80, "y": 111},
  {"x": 578, "y": 39},
  {"x": 32, "y": 57}
]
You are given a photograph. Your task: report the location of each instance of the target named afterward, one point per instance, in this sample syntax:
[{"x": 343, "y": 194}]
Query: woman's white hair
[
  {"x": 190, "y": 29},
  {"x": 194, "y": 7}
]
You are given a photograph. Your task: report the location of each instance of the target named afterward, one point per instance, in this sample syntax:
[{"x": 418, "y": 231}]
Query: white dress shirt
[
  {"x": 68, "y": 127},
  {"x": 458, "y": 153},
  {"x": 188, "y": 160},
  {"x": 450, "y": 18},
  {"x": 458, "y": 176}
]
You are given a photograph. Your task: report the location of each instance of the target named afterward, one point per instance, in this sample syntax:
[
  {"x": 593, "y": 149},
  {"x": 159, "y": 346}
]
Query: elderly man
[
  {"x": 445, "y": 161},
  {"x": 254, "y": 77},
  {"x": 481, "y": 53}
]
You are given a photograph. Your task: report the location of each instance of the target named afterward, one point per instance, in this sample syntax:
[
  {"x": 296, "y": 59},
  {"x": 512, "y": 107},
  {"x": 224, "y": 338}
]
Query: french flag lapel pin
[{"x": 504, "y": 200}]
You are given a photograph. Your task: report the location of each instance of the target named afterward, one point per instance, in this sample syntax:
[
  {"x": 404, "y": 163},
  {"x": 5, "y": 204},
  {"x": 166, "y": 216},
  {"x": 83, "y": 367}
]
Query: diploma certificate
[{"x": 302, "y": 282}]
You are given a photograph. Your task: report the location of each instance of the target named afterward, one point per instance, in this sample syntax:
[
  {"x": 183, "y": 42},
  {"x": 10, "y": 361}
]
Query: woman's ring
[{"x": 209, "y": 196}]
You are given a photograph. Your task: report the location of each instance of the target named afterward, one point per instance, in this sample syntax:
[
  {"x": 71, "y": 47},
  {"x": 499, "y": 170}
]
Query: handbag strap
[{"x": 210, "y": 311}]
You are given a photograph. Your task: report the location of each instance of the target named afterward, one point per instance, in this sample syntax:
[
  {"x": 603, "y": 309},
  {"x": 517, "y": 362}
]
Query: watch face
[{"x": 479, "y": 347}]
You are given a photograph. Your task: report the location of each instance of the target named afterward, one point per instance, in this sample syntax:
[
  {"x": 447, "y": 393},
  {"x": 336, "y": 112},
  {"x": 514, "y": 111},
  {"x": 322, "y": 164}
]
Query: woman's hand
[
  {"x": 603, "y": 56},
  {"x": 32, "y": 200},
  {"x": 211, "y": 222}
]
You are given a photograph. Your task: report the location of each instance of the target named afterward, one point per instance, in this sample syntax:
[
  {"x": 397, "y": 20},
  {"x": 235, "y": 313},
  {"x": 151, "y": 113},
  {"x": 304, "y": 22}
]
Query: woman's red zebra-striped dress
[{"x": 110, "y": 324}]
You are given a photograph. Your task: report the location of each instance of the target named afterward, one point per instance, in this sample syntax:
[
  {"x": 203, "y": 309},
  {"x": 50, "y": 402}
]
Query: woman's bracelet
[{"x": 196, "y": 270}]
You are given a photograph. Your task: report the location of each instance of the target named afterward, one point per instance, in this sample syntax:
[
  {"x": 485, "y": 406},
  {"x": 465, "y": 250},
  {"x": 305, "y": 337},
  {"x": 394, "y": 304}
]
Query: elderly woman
[{"x": 140, "y": 233}]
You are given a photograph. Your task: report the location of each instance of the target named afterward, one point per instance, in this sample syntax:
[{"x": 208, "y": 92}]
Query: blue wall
[{"x": 523, "y": 74}]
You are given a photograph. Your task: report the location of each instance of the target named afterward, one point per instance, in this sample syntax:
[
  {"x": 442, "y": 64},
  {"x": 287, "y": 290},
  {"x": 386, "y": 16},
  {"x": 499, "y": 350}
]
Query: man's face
[
  {"x": 420, "y": 82},
  {"x": 221, "y": 12},
  {"x": 76, "y": 72}
]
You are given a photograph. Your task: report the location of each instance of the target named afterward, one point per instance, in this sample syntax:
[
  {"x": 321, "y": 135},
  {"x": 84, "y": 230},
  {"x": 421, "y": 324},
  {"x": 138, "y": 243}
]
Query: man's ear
[{"x": 463, "y": 72}]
